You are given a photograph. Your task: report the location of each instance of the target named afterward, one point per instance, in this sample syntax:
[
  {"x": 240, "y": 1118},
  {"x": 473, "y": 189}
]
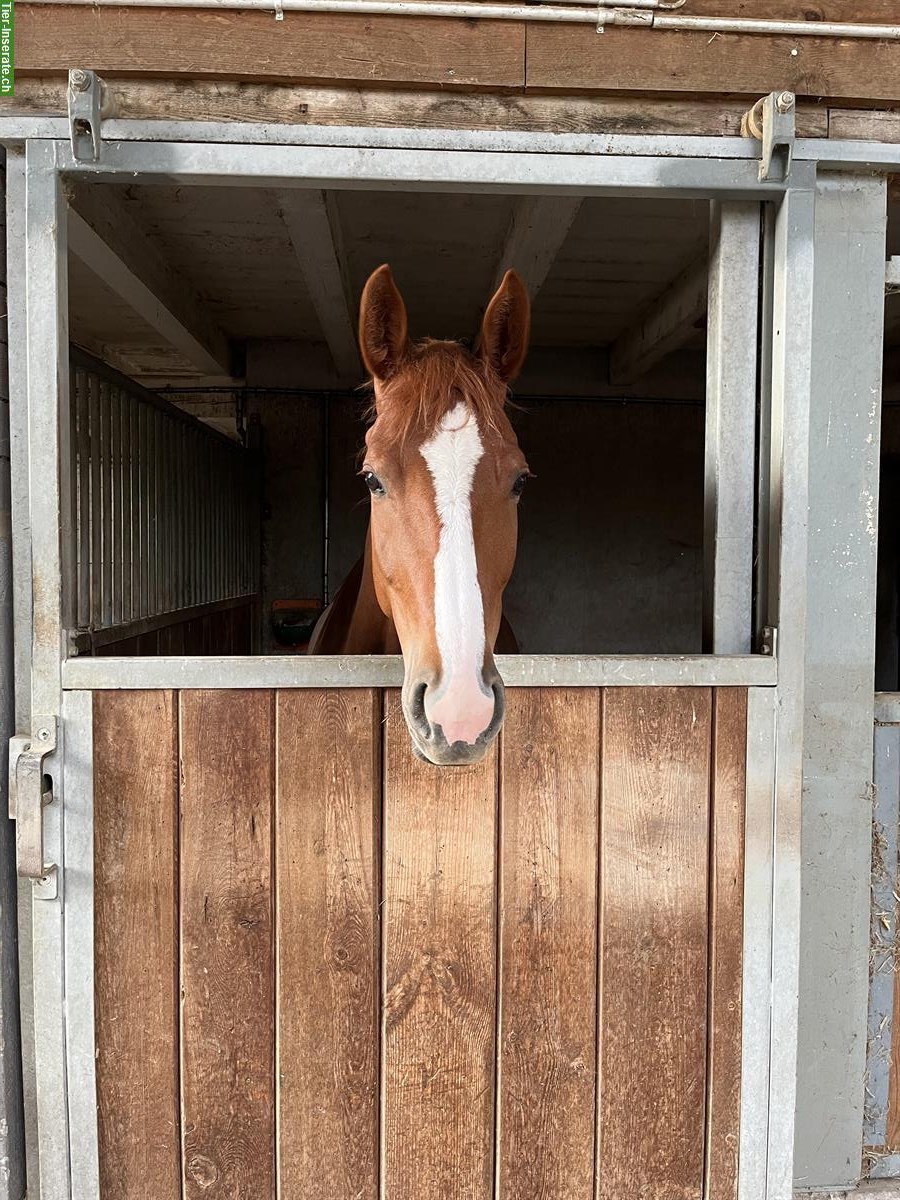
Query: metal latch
[
  {"x": 30, "y": 792},
  {"x": 85, "y": 98},
  {"x": 771, "y": 121}
]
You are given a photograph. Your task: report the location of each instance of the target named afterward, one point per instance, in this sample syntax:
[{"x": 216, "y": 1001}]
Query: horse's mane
[{"x": 433, "y": 379}]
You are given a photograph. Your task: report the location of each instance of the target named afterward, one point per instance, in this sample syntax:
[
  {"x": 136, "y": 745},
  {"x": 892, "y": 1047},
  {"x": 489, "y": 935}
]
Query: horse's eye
[
  {"x": 519, "y": 486},
  {"x": 373, "y": 483}
]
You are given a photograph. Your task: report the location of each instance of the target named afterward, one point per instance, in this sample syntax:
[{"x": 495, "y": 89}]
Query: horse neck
[{"x": 366, "y": 630}]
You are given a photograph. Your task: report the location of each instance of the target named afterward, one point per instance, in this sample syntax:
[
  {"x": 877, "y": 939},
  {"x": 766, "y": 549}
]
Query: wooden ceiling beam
[
  {"x": 314, "y": 229},
  {"x": 665, "y": 326},
  {"x": 536, "y": 233},
  {"x": 104, "y": 235}
]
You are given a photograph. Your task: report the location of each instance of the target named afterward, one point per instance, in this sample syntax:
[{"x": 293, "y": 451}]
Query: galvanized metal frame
[
  {"x": 730, "y": 461},
  {"x": 845, "y": 434},
  {"x": 634, "y": 166}
]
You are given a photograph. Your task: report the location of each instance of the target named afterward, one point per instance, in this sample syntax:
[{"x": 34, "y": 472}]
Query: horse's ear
[
  {"x": 382, "y": 324},
  {"x": 504, "y": 331}
]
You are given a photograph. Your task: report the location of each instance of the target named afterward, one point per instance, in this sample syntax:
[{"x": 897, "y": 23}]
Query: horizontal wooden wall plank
[
  {"x": 227, "y": 971},
  {"x": 328, "y": 803},
  {"x": 136, "y": 944},
  {"x": 548, "y": 1045},
  {"x": 223, "y": 100},
  {"x": 856, "y": 123},
  {"x": 567, "y": 57},
  {"x": 439, "y": 967},
  {"x": 878, "y": 11},
  {"x": 253, "y": 45},
  {"x": 653, "y": 941}
]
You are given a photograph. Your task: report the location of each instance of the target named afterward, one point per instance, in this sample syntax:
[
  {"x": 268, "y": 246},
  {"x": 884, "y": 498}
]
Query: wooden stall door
[{"x": 327, "y": 967}]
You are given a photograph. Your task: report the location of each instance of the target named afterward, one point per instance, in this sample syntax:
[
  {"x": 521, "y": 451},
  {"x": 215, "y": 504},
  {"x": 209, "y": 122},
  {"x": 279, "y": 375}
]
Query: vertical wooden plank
[
  {"x": 726, "y": 918},
  {"x": 227, "y": 968},
  {"x": 549, "y": 819},
  {"x": 328, "y": 792},
  {"x": 439, "y": 973},
  {"x": 653, "y": 941},
  {"x": 136, "y": 947}
]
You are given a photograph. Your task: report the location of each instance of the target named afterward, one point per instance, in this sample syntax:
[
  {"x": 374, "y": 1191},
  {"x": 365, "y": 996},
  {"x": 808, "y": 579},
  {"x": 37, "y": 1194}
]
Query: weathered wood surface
[
  {"x": 653, "y": 941},
  {"x": 253, "y": 45},
  {"x": 548, "y": 1032},
  {"x": 227, "y": 967},
  {"x": 463, "y": 53},
  {"x": 328, "y": 787},
  {"x": 136, "y": 944},
  {"x": 726, "y": 921},
  {"x": 439, "y": 970},
  {"x": 223, "y": 100},
  {"x": 858, "y": 124},
  {"x": 623, "y": 59},
  {"x": 455, "y": 1050}
]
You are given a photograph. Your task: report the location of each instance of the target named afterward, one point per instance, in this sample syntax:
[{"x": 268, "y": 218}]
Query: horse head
[{"x": 445, "y": 474}]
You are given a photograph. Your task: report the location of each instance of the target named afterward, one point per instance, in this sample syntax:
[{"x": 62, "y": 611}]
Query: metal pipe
[{"x": 643, "y": 13}]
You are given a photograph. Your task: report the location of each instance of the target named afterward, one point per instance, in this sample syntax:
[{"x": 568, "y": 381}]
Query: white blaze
[{"x": 459, "y": 705}]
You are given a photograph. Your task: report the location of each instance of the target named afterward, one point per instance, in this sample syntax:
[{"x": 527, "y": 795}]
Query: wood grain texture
[
  {"x": 227, "y": 973},
  {"x": 328, "y": 793},
  {"x": 439, "y": 974},
  {"x": 549, "y": 815},
  {"x": 253, "y": 45},
  {"x": 855, "y": 123},
  {"x": 653, "y": 942},
  {"x": 135, "y": 944},
  {"x": 726, "y": 918},
  {"x": 573, "y": 57},
  {"x": 207, "y": 100}
]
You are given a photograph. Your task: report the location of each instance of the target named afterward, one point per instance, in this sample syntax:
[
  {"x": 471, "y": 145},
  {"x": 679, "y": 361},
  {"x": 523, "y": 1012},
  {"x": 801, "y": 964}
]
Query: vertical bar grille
[{"x": 165, "y": 507}]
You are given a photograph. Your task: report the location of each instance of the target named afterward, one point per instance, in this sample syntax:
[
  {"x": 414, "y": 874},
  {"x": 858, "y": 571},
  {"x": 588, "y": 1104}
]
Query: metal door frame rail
[
  {"x": 365, "y": 671},
  {"x": 625, "y": 167}
]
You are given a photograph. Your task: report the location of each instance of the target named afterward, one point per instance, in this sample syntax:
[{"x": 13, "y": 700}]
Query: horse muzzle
[{"x": 453, "y": 726}]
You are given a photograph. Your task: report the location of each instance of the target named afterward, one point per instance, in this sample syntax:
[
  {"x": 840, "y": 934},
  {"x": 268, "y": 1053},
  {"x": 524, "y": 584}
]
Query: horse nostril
[{"x": 417, "y": 710}]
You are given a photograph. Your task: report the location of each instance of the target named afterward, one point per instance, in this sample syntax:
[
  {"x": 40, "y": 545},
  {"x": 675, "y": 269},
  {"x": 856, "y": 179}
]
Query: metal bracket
[
  {"x": 85, "y": 98},
  {"x": 892, "y": 275},
  {"x": 768, "y": 642},
  {"x": 771, "y": 121},
  {"x": 28, "y": 796}
]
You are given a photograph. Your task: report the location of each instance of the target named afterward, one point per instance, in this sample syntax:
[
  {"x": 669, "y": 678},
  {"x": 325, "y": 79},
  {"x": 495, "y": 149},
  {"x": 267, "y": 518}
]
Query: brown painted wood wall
[
  {"x": 469, "y": 54},
  {"x": 321, "y": 961}
]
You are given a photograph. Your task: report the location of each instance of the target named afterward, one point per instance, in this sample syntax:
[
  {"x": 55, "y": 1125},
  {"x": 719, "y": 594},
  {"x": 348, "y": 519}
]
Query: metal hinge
[
  {"x": 85, "y": 98},
  {"x": 771, "y": 121},
  {"x": 30, "y": 791}
]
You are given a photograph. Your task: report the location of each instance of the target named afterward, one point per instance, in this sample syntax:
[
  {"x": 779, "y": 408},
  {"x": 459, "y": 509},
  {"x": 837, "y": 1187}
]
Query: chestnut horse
[{"x": 445, "y": 474}]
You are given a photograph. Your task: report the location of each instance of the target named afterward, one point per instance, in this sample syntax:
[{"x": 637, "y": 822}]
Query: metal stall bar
[
  {"x": 78, "y": 906},
  {"x": 790, "y": 400},
  {"x": 49, "y": 462},
  {"x": 845, "y": 435},
  {"x": 731, "y": 359},
  {"x": 21, "y": 550}
]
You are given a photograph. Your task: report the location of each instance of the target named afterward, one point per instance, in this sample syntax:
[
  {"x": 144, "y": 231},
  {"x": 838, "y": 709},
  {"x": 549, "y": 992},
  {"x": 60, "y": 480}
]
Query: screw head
[
  {"x": 785, "y": 101},
  {"x": 43, "y": 735},
  {"x": 79, "y": 79}
]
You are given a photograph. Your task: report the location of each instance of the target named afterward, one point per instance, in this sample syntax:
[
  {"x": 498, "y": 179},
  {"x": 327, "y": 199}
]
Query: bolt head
[
  {"x": 43, "y": 735},
  {"x": 80, "y": 80},
  {"x": 785, "y": 101}
]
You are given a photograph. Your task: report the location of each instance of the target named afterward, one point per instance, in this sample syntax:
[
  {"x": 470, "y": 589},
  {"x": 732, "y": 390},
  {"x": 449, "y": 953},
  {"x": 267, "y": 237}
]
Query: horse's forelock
[{"x": 433, "y": 379}]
